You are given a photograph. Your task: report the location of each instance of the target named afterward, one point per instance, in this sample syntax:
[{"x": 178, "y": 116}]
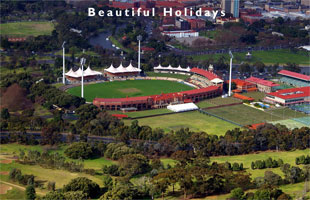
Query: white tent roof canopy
[
  {"x": 182, "y": 107},
  {"x": 217, "y": 80},
  {"x": 170, "y": 68},
  {"x": 78, "y": 73},
  {"x": 122, "y": 69}
]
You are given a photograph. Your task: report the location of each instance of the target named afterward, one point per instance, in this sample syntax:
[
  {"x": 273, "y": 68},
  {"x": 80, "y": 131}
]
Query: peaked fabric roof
[
  {"x": 78, "y": 73},
  {"x": 294, "y": 75},
  {"x": 122, "y": 69},
  {"x": 179, "y": 68}
]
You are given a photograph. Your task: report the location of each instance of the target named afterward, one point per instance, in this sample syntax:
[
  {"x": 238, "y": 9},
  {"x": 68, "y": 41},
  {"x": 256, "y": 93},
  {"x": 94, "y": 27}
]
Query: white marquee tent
[
  {"x": 122, "y": 69},
  {"x": 78, "y": 73},
  {"x": 170, "y": 68},
  {"x": 182, "y": 107}
]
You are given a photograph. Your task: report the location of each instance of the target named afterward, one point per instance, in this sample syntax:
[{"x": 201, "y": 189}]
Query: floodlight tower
[
  {"x": 63, "y": 63},
  {"x": 139, "y": 38},
  {"x": 230, "y": 71},
  {"x": 83, "y": 60}
]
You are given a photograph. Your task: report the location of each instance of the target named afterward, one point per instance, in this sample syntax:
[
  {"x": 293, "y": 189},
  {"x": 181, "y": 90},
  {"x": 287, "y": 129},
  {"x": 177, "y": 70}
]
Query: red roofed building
[
  {"x": 294, "y": 75},
  {"x": 220, "y": 20},
  {"x": 295, "y": 79},
  {"x": 263, "y": 85},
  {"x": 19, "y": 39},
  {"x": 242, "y": 97},
  {"x": 212, "y": 78},
  {"x": 289, "y": 96},
  {"x": 157, "y": 101},
  {"x": 244, "y": 85},
  {"x": 169, "y": 4}
]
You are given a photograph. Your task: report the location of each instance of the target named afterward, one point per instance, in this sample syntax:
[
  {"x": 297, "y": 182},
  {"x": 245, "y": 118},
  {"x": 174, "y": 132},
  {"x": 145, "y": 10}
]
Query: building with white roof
[
  {"x": 88, "y": 74},
  {"x": 170, "y": 69},
  {"x": 121, "y": 71}
]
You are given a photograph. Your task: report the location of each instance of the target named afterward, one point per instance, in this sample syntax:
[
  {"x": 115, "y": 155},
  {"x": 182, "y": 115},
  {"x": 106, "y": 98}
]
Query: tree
[
  {"x": 133, "y": 164},
  {"x": 5, "y": 113},
  {"x": 272, "y": 178},
  {"x": 54, "y": 195},
  {"x": 30, "y": 192},
  {"x": 79, "y": 150},
  {"x": 83, "y": 184},
  {"x": 261, "y": 194},
  {"x": 237, "y": 194},
  {"x": 292, "y": 67},
  {"x": 51, "y": 186}
]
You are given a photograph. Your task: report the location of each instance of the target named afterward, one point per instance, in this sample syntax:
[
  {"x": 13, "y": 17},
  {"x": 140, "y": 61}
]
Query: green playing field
[{"x": 130, "y": 88}]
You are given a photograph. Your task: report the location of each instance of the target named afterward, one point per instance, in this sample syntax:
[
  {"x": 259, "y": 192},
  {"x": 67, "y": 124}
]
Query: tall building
[
  {"x": 231, "y": 6},
  {"x": 235, "y": 8}
]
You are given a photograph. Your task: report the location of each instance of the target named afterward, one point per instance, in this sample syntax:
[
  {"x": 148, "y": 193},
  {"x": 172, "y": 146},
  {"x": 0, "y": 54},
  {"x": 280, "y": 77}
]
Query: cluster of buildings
[
  {"x": 300, "y": 94},
  {"x": 212, "y": 87}
]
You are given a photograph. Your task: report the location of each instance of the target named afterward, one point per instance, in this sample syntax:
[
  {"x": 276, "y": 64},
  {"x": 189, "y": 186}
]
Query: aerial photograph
[{"x": 155, "y": 99}]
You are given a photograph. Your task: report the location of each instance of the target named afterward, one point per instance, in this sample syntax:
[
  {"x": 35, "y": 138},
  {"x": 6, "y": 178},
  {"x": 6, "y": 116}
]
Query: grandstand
[{"x": 293, "y": 78}]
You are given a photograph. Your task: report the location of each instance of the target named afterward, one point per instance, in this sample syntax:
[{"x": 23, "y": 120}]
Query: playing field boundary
[{"x": 213, "y": 115}]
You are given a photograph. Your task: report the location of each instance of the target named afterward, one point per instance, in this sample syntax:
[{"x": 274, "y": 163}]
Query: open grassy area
[
  {"x": 14, "y": 193},
  {"x": 221, "y": 101},
  {"x": 286, "y": 113},
  {"x": 179, "y": 76},
  {"x": 286, "y": 156},
  {"x": 194, "y": 120},
  {"x": 281, "y": 56},
  {"x": 143, "y": 112},
  {"x": 243, "y": 114},
  {"x": 21, "y": 29},
  {"x": 255, "y": 95},
  {"x": 14, "y": 148},
  {"x": 130, "y": 88}
]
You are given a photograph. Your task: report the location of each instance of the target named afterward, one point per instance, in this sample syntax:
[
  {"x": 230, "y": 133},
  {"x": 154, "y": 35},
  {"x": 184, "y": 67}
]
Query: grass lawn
[
  {"x": 286, "y": 113},
  {"x": 219, "y": 101},
  {"x": 61, "y": 177},
  {"x": 169, "y": 161},
  {"x": 179, "y": 76},
  {"x": 41, "y": 111},
  {"x": 195, "y": 121},
  {"x": 256, "y": 95},
  {"x": 26, "y": 28},
  {"x": 281, "y": 56},
  {"x": 243, "y": 114},
  {"x": 204, "y": 104},
  {"x": 14, "y": 193},
  {"x": 96, "y": 163},
  {"x": 286, "y": 156},
  {"x": 130, "y": 88},
  {"x": 143, "y": 113}
]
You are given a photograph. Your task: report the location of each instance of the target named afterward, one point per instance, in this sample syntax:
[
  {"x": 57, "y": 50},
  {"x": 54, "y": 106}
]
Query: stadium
[{"x": 126, "y": 90}]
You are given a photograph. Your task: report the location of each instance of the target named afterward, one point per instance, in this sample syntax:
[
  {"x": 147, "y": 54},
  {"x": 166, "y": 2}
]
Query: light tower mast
[
  {"x": 83, "y": 60},
  {"x": 139, "y": 38},
  {"x": 230, "y": 71},
  {"x": 63, "y": 63}
]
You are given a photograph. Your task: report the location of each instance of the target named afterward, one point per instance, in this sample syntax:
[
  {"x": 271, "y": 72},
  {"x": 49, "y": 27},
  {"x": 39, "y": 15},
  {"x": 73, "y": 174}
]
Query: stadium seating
[{"x": 295, "y": 82}]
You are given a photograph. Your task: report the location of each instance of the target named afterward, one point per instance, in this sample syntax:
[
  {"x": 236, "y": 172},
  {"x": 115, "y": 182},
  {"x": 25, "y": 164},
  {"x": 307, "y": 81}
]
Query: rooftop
[
  {"x": 294, "y": 75},
  {"x": 205, "y": 73},
  {"x": 261, "y": 81},
  {"x": 292, "y": 93}
]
